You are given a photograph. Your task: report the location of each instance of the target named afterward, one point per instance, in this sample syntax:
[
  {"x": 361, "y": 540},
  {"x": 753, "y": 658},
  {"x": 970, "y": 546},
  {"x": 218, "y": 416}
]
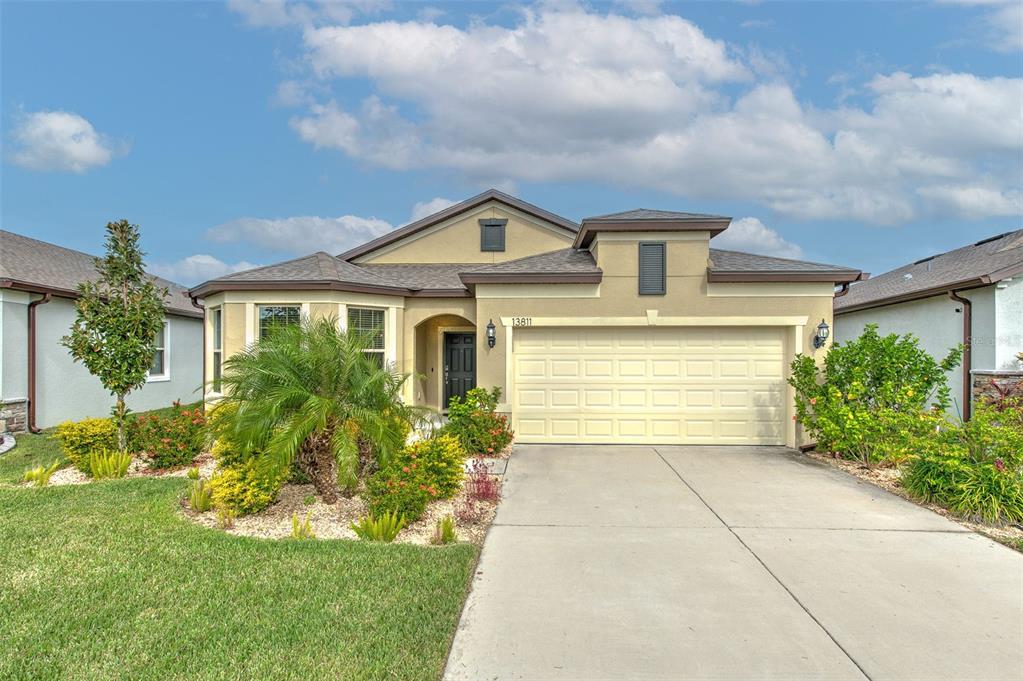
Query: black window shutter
[
  {"x": 651, "y": 269},
  {"x": 492, "y": 235}
]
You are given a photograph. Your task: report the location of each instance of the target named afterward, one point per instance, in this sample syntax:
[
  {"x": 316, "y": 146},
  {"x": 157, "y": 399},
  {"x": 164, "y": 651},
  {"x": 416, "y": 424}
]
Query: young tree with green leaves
[{"x": 118, "y": 317}]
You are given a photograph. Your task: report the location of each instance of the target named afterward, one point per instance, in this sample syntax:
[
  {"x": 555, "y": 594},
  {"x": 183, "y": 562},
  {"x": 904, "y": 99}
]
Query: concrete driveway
[{"x": 729, "y": 563}]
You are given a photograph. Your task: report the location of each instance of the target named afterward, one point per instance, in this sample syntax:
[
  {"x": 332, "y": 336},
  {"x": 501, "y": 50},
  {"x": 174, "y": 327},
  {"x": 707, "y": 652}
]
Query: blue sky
[{"x": 863, "y": 134}]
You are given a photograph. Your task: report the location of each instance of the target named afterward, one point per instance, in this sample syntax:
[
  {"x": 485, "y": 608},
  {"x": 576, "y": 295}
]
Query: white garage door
[{"x": 692, "y": 385}]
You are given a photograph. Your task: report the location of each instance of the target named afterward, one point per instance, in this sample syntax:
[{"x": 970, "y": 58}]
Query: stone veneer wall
[
  {"x": 982, "y": 383},
  {"x": 13, "y": 416}
]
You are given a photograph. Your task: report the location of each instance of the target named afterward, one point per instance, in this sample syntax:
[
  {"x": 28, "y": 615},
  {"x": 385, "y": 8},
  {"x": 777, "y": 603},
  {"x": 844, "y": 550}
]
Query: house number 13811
[{"x": 522, "y": 321}]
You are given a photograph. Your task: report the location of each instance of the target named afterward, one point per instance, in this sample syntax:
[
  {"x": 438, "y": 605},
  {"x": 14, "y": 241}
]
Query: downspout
[
  {"x": 967, "y": 353},
  {"x": 32, "y": 428},
  {"x": 202, "y": 386}
]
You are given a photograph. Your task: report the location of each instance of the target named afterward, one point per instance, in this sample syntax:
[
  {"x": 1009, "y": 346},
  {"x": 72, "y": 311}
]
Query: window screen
[
  {"x": 159, "y": 366},
  {"x": 651, "y": 269}
]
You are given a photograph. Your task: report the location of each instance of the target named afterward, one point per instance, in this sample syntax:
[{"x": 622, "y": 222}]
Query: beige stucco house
[{"x": 626, "y": 328}]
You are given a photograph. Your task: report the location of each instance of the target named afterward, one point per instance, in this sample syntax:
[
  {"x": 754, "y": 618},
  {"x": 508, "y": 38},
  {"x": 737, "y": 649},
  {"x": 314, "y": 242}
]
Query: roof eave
[
  {"x": 211, "y": 287},
  {"x": 962, "y": 285},
  {"x": 822, "y": 276},
  {"x": 29, "y": 287},
  {"x": 591, "y": 228}
]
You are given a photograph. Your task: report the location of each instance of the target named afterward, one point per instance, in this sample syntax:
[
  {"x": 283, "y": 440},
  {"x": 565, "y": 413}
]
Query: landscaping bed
[{"x": 889, "y": 478}]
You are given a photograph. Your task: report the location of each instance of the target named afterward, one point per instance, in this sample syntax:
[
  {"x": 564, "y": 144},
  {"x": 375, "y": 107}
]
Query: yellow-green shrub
[
  {"x": 79, "y": 439},
  {"x": 244, "y": 489},
  {"x": 437, "y": 462}
]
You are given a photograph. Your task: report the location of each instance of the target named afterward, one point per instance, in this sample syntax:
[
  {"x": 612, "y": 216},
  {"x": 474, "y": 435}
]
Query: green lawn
[
  {"x": 31, "y": 451},
  {"x": 107, "y": 581}
]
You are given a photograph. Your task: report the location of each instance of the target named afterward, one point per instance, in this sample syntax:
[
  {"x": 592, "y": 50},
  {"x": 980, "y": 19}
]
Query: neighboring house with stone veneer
[
  {"x": 626, "y": 328},
  {"x": 972, "y": 296},
  {"x": 38, "y": 283}
]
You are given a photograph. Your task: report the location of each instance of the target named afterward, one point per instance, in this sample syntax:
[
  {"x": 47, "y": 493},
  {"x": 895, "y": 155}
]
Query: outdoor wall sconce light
[
  {"x": 822, "y": 334},
  {"x": 491, "y": 333}
]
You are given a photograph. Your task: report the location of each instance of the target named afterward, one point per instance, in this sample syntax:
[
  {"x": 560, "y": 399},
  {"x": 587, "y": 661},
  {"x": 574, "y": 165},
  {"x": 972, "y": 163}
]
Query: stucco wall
[
  {"x": 66, "y": 390},
  {"x": 13, "y": 341},
  {"x": 1008, "y": 324},
  {"x": 458, "y": 240},
  {"x": 937, "y": 324}
]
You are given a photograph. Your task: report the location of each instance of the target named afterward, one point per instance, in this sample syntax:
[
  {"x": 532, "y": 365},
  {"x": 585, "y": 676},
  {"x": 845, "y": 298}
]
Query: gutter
[
  {"x": 967, "y": 351},
  {"x": 32, "y": 428},
  {"x": 201, "y": 308},
  {"x": 842, "y": 291}
]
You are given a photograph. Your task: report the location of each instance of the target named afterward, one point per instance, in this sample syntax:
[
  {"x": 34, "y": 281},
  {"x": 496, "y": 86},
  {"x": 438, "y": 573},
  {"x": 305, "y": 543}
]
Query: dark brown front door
[{"x": 459, "y": 364}]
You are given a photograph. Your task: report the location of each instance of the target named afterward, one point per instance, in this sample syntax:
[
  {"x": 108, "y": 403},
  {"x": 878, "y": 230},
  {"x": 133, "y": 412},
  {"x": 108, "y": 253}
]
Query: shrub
[
  {"x": 40, "y": 475},
  {"x": 244, "y": 489},
  {"x": 78, "y": 439},
  {"x": 856, "y": 404},
  {"x": 444, "y": 531},
  {"x": 301, "y": 529},
  {"x": 397, "y": 492},
  {"x": 168, "y": 441},
  {"x": 476, "y": 424},
  {"x": 199, "y": 496},
  {"x": 481, "y": 485},
  {"x": 108, "y": 464},
  {"x": 437, "y": 462},
  {"x": 975, "y": 469},
  {"x": 381, "y": 528}
]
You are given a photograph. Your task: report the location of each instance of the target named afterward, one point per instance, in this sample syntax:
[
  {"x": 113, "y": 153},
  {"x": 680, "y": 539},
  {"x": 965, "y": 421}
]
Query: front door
[{"x": 459, "y": 364}]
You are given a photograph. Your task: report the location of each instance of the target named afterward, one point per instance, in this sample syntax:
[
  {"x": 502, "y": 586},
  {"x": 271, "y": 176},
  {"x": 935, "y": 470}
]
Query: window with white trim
[
  {"x": 369, "y": 323},
  {"x": 276, "y": 316},
  {"x": 218, "y": 346},
  {"x": 158, "y": 369}
]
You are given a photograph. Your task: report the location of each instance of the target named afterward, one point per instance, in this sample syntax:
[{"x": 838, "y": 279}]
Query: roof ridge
[{"x": 273, "y": 264}]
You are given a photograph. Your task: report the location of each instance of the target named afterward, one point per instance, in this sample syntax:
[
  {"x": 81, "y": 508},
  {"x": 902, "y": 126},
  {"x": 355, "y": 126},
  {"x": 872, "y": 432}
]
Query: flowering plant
[
  {"x": 168, "y": 441},
  {"x": 476, "y": 423}
]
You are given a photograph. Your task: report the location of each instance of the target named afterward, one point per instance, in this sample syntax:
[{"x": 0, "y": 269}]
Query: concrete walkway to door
[{"x": 729, "y": 563}]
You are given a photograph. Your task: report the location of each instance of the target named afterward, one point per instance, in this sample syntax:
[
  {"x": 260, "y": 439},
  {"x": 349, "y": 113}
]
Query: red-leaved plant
[
  {"x": 468, "y": 511},
  {"x": 481, "y": 485}
]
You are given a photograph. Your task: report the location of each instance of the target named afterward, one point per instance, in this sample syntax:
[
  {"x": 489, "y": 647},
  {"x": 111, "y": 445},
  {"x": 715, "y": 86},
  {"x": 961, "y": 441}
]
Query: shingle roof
[
  {"x": 31, "y": 262},
  {"x": 418, "y": 277},
  {"x": 318, "y": 267},
  {"x": 563, "y": 261},
  {"x": 638, "y": 214},
  {"x": 736, "y": 261},
  {"x": 984, "y": 262}
]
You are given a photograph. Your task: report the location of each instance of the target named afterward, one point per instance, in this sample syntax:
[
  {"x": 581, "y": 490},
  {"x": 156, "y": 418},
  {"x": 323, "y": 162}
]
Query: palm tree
[{"x": 309, "y": 392}]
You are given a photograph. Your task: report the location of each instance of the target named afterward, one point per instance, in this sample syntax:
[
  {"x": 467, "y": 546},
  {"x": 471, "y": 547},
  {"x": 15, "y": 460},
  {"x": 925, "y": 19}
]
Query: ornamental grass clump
[
  {"x": 973, "y": 468},
  {"x": 108, "y": 465},
  {"x": 444, "y": 531},
  {"x": 301, "y": 529},
  {"x": 382, "y": 529},
  {"x": 199, "y": 497},
  {"x": 40, "y": 475}
]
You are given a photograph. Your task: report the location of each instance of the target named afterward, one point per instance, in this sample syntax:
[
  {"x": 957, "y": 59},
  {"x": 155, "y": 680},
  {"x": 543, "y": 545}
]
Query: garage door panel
[{"x": 655, "y": 385}]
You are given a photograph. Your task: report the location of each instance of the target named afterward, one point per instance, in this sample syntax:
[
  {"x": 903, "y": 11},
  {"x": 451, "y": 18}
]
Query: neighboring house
[
  {"x": 626, "y": 328},
  {"x": 971, "y": 296},
  {"x": 38, "y": 285}
]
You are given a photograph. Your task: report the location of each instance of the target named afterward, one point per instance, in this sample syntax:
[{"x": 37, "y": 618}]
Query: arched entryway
[{"x": 445, "y": 359}]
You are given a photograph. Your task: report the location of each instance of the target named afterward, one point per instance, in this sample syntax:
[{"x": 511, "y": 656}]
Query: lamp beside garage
[
  {"x": 822, "y": 334},
  {"x": 491, "y": 334}
]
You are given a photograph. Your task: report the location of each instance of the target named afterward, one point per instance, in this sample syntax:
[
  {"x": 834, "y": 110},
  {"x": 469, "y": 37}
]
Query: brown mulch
[{"x": 889, "y": 477}]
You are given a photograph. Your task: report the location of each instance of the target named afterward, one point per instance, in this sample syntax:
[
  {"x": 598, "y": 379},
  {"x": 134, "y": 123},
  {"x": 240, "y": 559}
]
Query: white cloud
[
  {"x": 60, "y": 140},
  {"x": 567, "y": 94},
  {"x": 750, "y": 235},
  {"x": 300, "y": 235},
  {"x": 1002, "y": 22},
  {"x": 426, "y": 208},
  {"x": 197, "y": 268}
]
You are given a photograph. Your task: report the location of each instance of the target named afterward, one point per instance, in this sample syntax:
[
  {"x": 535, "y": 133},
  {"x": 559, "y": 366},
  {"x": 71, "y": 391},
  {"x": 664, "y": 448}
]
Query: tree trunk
[
  {"x": 317, "y": 460},
  {"x": 122, "y": 443}
]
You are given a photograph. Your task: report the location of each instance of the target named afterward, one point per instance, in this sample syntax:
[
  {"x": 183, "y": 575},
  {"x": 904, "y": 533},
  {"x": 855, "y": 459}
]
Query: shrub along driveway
[{"x": 729, "y": 563}]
